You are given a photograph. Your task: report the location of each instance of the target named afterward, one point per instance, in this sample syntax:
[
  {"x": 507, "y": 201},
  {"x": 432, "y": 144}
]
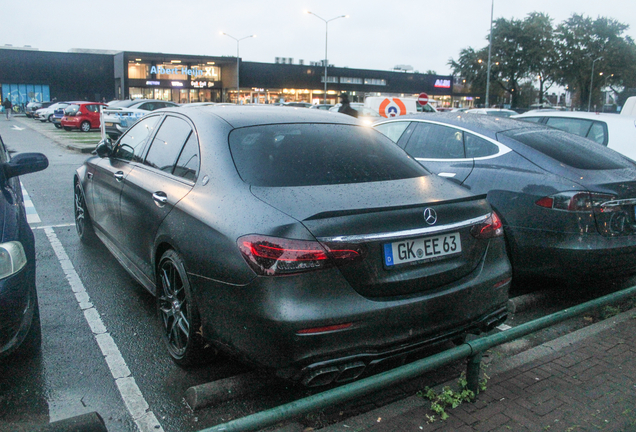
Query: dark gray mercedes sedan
[{"x": 297, "y": 240}]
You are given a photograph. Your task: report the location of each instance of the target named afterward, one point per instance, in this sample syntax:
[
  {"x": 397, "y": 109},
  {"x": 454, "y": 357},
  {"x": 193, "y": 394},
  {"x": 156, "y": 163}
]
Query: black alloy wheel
[
  {"x": 85, "y": 126},
  {"x": 177, "y": 312},
  {"x": 83, "y": 223}
]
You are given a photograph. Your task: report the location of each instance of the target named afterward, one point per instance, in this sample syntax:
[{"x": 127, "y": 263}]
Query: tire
[
  {"x": 67, "y": 129},
  {"x": 57, "y": 125},
  {"x": 178, "y": 313},
  {"x": 85, "y": 126},
  {"x": 83, "y": 224},
  {"x": 50, "y": 118},
  {"x": 33, "y": 340}
]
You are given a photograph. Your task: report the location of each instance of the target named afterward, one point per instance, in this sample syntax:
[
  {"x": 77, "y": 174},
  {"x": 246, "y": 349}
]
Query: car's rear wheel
[
  {"x": 57, "y": 125},
  {"x": 83, "y": 223},
  {"x": 85, "y": 126},
  {"x": 66, "y": 128},
  {"x": 178, "y": 313}
]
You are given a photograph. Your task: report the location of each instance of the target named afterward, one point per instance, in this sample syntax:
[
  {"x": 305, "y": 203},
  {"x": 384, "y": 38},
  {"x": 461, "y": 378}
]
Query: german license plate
[
  {"x": 407, "y": 251},
  {"x": 108, "y": 124}
]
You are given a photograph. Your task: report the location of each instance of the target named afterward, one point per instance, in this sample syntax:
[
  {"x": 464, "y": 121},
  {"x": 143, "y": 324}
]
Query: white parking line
[
  {"x": 130, "y": 393},
  {"x": 32, "y": 215}
]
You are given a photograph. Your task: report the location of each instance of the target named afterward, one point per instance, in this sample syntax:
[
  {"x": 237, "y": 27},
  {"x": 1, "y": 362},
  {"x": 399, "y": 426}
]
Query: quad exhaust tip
[{"x": 331, "y": 374}]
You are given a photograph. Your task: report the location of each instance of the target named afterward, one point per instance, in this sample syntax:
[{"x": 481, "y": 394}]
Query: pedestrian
[
  {"x": 7, "y": 106},
  {"x": 345, "y": 108}
]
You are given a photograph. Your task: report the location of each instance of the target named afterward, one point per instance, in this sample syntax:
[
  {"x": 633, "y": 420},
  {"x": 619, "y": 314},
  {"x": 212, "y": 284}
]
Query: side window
[
  {"x": 393, "y": 130},
  {"x": 576, "y": 126},
  {"x": 598, "y": 133},
  {"x": 168, "y": 143},
  {"x": 432, "y": 141},
  {"x": 478, "y": 147},
  {"x": 131, "y": 145},
  {"x": 188, "y": 163}
]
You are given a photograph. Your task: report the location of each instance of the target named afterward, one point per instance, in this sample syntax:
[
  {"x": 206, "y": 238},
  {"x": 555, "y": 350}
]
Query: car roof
[
  {"x": 576, "y": 114},
  {"x": 486, "y": 125},
  {"x": 252, "y": 115}
]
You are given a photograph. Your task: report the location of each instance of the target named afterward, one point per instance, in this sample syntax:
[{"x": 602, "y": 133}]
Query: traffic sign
[{"x": 423, "y": 99}]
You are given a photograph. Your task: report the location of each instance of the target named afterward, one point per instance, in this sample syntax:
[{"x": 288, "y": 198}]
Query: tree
[
  {"x": 580, "y": 41},
  {"x": 520, "y": 49},
  {"x": 540, "y": 50}
]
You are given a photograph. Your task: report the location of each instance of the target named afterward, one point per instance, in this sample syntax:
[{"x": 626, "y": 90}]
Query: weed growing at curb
[{"x": 450, "y": 398}]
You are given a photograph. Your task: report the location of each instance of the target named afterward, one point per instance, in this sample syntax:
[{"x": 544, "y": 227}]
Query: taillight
[
  {"x": 574, "y": 201},
  {"x": 273, "y": 256},
  {"x": 491, "y": 227}
]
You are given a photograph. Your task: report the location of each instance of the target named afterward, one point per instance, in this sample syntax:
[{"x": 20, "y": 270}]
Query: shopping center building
[{"x": 27, "y": 74}]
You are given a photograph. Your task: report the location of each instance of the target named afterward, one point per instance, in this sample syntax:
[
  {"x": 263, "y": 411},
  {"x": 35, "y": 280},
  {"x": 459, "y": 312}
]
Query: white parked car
[
  {"x": 46, "y": 114},
  {"x": 501, "y": 112},
  {"x": 617, "y": 132},
  {"x": 121, "y": 114}
]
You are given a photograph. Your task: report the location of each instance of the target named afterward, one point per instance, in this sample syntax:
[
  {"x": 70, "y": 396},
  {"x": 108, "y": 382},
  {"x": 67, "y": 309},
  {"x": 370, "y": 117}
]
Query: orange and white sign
[{"x": 392, "y": 108}]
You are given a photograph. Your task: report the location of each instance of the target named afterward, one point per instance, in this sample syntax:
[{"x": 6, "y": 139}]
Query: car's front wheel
[
  {"x": 177, "y": 312},
  {"x": 83, "y": 223}
]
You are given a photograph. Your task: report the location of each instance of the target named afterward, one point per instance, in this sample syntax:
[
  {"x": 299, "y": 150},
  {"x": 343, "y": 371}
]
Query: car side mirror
[
  {"x": 104, "y": 148},
  {"x": 25, "y": 163}
]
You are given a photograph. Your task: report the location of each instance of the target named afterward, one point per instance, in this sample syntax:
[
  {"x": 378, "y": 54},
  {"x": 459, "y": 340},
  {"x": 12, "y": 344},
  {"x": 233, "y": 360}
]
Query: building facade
[{"x": 28, "y": 74}]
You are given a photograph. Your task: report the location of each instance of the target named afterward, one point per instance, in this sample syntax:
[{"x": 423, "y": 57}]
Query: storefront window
[
  {"x": 210, "y": 73},
  {"x": 138, "y": 71},
  {"x": 173, "y": 72}
]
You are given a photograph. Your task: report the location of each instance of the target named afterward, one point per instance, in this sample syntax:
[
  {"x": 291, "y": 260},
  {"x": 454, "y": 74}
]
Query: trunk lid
[{"x": 403, "y": 253}]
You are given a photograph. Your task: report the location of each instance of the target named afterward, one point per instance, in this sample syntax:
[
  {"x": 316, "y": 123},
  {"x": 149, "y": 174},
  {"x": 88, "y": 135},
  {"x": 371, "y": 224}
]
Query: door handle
[
  {"x": 160, "y": 198},
  {"x": 119, "y": 176},
  {"x": 447, "y": 174}
]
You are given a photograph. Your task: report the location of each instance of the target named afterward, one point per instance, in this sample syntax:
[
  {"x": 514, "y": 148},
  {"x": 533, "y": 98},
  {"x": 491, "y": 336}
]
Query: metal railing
[{"x": 471, "y": 350}]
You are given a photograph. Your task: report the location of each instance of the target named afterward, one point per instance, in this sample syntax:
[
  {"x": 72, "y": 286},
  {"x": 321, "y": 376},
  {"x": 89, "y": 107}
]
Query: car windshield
[
  {"x": 317, "y": 154},
  {"x": 122, "y": 103},
  {"x": 567, "y": 149}
]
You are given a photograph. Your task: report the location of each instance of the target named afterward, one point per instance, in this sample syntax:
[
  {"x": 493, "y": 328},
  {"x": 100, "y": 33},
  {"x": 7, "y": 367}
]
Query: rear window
[
  {"x": 317, "y": 154},
  {"x": 567, "y": 149},
  {"x": 71, "y": 109}
]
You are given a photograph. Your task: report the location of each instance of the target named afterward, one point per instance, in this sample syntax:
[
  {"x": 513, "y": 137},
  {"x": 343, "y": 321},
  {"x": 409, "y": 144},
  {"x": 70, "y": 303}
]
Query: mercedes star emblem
[{"x": 430, "y": 216}]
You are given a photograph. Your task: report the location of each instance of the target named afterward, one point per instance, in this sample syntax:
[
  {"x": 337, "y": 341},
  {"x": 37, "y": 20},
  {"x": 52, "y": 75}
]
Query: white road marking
[
  {"x": 32, "y": 215},
  {"x": 130, "y": 393}
]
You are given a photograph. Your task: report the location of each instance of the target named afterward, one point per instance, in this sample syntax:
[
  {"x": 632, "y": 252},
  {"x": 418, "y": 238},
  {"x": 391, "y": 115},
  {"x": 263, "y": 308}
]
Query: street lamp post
[
  {"x": 492, "y": 9},
  {"x": 589, "y": 102},
  {"x": 326, "y": 39},
  {"x": 237, "y": 61}
]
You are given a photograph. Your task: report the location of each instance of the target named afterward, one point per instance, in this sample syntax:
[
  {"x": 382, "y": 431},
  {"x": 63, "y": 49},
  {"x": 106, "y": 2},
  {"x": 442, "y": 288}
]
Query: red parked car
[{"x": 83, "y": 116}]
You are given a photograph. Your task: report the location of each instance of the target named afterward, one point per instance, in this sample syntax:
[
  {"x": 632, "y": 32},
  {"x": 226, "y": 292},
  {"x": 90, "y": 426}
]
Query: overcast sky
[{"x": 378, "y": 34}]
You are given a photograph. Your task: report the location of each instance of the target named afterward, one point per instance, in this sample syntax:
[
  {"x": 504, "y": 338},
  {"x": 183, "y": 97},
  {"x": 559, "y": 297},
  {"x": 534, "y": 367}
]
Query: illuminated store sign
[
  {"x": 176, "y": 71},
  {"x": 443, "y": 83},
  {"x": 153, "y": 83},
  {"x": 176, "y": 84},
  {"x": 202, "y": 84}
]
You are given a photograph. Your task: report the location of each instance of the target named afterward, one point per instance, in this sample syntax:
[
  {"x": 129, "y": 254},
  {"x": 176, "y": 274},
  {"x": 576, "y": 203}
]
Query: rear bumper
[
  {"x": 260, "y": 322},
  {"x": 571, "y": 255}
]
